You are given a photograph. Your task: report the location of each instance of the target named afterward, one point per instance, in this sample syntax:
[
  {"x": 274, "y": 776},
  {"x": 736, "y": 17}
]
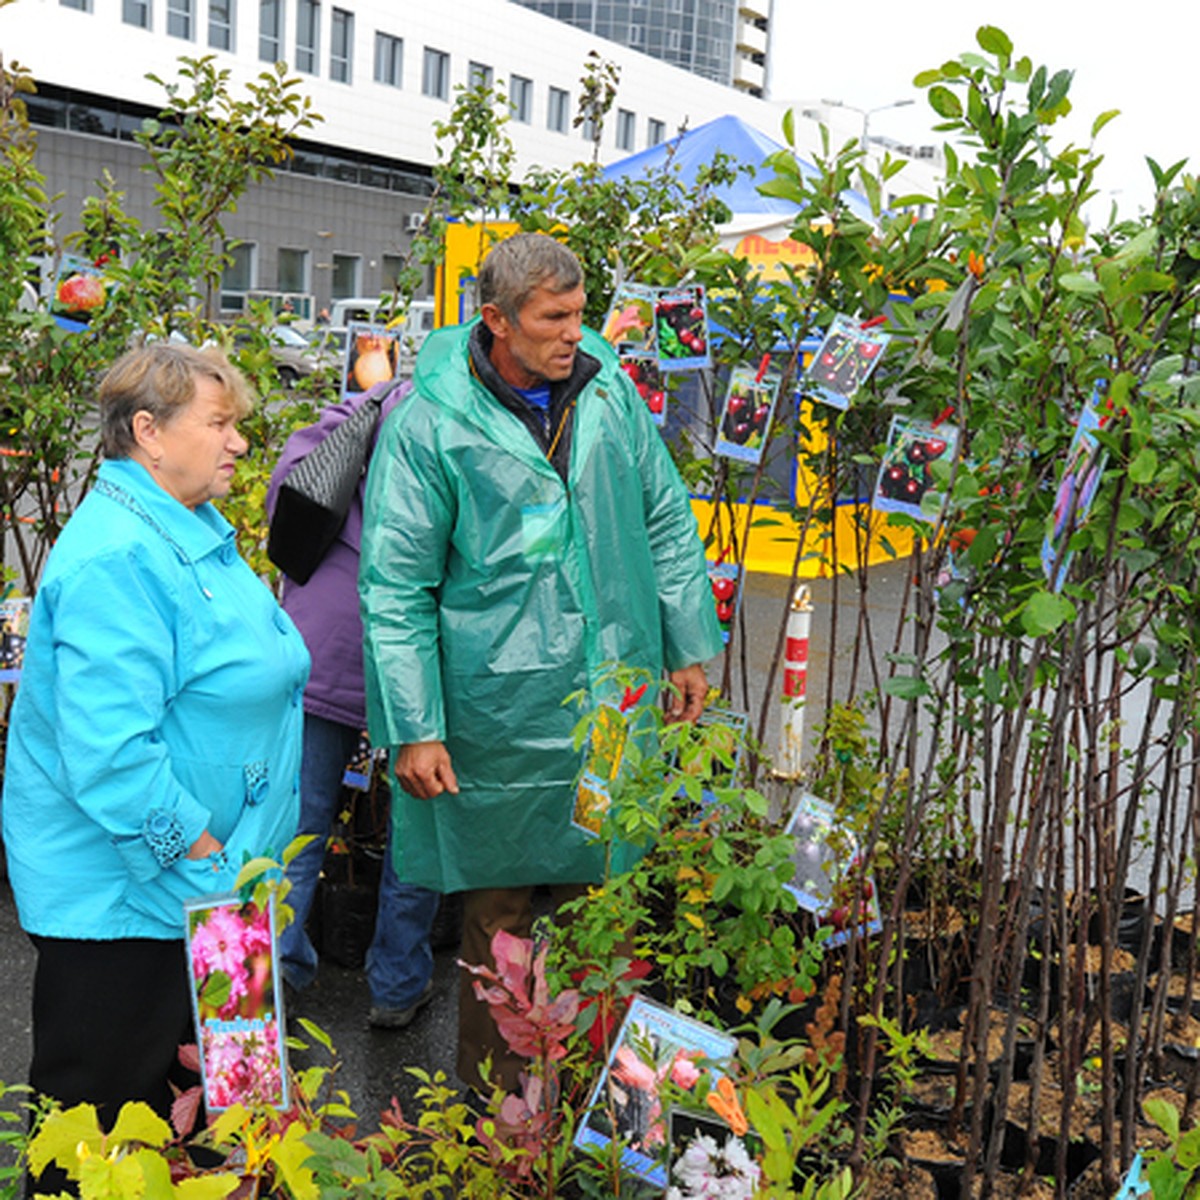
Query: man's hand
[
  {"x": 688, "y": 703},
  {"x": 424, "y": 770}
]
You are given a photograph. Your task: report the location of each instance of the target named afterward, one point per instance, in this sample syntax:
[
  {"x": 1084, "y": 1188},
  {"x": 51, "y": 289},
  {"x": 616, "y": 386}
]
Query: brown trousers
[{"x": 486, "y": 910}]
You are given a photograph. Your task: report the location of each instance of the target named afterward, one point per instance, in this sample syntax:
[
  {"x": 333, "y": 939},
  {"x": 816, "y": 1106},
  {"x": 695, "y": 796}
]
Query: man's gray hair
[
  {"x": 516, "y": 267},
  {"x": 161, "y": 380}
]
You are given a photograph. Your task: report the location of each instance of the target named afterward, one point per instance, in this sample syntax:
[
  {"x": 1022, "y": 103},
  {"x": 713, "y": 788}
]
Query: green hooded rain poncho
[{"x": 492, "y": 589}]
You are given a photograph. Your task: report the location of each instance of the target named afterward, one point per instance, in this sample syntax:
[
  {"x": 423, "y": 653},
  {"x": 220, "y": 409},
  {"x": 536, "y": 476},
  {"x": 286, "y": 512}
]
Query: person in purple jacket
[{"x": 325, "y": 609}]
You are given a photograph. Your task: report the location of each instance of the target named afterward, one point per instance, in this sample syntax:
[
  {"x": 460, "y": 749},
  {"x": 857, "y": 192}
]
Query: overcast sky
[{"x": 1138, "y": 58}]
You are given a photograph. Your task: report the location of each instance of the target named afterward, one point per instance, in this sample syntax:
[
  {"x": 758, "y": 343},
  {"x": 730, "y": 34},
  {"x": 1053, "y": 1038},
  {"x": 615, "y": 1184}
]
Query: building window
[
  {"x": 341, "y": 45},
  {"x": 626, "y": 129},
  {"x": 479, "y": 75},
  {"x": 308, "y": 29},
  {"x": 391, "y": 265},
  {"x": 82, "y": 5},
  {"x": 220, "y": 24},
  {"x": 588, "y": 128},
  {"x": 520, "y": 98},
  {"x": 292, "y": 273},
  {"x": 435, "y": 75},
  {"x": 346, "y": 272},
  {"x": 136, "y": 12},
  {"x": 637, "y": 35},
  {"x": 179, "y": 19},
  {"x": 558, "y": 108},
  {"x": 389, "y": 60},
  {"x": 656, "y": 132},
  {"x": 239, "y": 274},
  {"x": 270, "y": 30}
]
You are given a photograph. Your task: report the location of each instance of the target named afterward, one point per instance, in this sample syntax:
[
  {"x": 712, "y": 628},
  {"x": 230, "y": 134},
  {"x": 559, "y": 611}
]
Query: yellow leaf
[
  {"x": 138, "y": 1122},
  {"x": 692, "y": 919},
  {"x": 229, "y": 1123},
  {"x": 60, "y": 1137},
  {"x": 206, "y": 1187},
  {"x": 290, "y": 1156},
  {"x": 742, "y": 1004}
]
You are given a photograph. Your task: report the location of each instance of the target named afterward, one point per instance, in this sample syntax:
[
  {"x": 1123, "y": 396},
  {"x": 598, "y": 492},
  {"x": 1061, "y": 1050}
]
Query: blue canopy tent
[{"x": 752, "y": 211}]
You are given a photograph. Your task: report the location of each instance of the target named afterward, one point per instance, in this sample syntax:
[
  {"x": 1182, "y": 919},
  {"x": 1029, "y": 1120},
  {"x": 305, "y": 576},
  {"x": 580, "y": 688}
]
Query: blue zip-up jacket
[{"x": 160, "y": 697}]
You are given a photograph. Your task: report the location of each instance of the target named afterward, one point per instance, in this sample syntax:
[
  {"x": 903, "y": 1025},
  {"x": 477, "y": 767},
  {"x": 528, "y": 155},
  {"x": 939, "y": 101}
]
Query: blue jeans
[{"x": 400, "y": 960}]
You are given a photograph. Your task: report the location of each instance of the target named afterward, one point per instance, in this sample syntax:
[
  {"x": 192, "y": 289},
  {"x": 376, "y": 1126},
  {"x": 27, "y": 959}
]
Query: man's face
[{"x": 539, "y": 347}]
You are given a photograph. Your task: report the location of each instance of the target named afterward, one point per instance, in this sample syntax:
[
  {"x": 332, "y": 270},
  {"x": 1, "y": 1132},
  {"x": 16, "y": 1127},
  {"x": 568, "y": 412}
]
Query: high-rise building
[{"x": 721, "y": 40}]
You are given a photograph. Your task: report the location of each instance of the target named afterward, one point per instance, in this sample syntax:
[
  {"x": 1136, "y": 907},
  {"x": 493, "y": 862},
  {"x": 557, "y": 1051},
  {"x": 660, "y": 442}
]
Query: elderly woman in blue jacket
[{"x": 155, "y": 736}]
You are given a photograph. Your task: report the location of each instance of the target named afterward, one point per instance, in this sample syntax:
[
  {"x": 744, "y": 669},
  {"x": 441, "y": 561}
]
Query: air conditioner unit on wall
[{"x": 414, "y": 222}]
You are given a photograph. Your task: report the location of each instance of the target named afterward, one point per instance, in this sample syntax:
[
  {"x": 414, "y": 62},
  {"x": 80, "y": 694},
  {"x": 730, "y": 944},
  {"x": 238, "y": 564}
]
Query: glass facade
[{"x": 697, "y": 35}]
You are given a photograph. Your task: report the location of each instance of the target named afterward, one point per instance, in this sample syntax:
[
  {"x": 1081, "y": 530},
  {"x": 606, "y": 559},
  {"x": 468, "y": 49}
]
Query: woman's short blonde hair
[{"x": 161, "y": 380}]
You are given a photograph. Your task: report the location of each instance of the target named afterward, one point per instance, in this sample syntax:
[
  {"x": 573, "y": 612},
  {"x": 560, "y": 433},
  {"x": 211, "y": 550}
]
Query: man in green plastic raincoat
[{"x": 525, "y": 527}]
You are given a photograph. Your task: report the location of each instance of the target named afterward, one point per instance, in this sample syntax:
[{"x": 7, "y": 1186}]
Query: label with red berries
[
  {"x": 646, "y": 376},
  {"x": 746, "y": 417},
  {"x": 681, "y": 329},
  {"x": 844, "y": 361},
  {"x": 724, "y": 577},
  {"x": 915, "y": 467}
]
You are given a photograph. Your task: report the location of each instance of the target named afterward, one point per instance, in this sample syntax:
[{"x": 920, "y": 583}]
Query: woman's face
[{"x": 193, "y": 455}]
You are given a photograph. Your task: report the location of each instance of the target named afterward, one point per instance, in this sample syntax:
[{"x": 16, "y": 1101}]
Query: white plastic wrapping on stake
[{"x": 795, "y": 685}]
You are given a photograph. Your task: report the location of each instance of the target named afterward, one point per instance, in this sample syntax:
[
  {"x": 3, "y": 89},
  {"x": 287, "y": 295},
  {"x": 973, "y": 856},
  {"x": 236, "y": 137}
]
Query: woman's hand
[{"x": 203, "y": 846}]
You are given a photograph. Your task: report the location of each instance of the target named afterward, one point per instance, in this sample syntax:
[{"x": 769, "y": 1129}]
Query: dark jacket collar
[{"x": 563, "y": 394}]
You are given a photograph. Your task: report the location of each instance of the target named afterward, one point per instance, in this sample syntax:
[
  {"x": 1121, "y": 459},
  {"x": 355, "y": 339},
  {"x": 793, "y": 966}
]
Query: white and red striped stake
[{"x": 795, "y": 686}]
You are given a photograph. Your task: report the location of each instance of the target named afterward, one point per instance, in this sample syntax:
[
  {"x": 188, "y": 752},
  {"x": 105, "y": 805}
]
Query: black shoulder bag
[{"x": 317, "y": 492}]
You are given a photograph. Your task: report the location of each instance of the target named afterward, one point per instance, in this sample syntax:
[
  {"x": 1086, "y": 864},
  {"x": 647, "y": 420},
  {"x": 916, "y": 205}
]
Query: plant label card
[
  {"x": 237, "y": 1002},
  {"x": 647, "y": 377},
  {"x": 716, "y": 752},
  {"x": 1135, "y": 1183},
  {"x": 704, "y": 1152},
  {"x": 1086, "y": 460},
  {"x": 653, "y": 1045},
  {"x": 606, "y": 748},
  {"x": 357, "y": 775},
  {"x": 907, "y": 481},
  {"x": 372, "y": 356},
  {"x": 80, "y": 293},
  {"x": 681, "y": 329},
  {"x": 746, "y": 417},
  {"x": 629, "y": 326},
  {"x": 725, "y": 579},
  {"x": 825, "y": 878},
  {"x": 844, "y": 361},
  {"x": 14, "y": 630}
]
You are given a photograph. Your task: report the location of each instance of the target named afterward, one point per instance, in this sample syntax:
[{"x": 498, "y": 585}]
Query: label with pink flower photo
[
  {"x": 236, "y": 995},
  {"x": 661, "y": 1058}
]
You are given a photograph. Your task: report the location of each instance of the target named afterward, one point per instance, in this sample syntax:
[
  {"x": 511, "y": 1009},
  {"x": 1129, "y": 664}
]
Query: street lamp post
[{"x": 867, "y": 113}]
